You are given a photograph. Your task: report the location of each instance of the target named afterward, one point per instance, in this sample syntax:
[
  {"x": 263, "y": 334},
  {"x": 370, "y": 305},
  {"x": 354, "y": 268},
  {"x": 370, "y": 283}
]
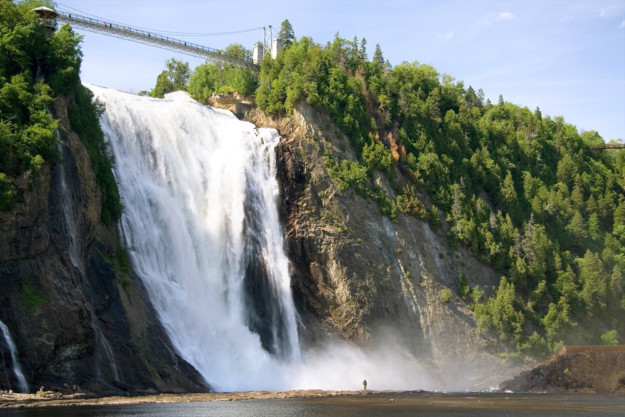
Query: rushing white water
[
  {"x": 201, "y": 221},
  {"x": 193, "y": 180},
  {"x": 17, "y": 369}
]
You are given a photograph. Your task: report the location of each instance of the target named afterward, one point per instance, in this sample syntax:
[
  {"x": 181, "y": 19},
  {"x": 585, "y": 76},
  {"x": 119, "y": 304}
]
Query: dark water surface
[{"x": 383, "y": 405}]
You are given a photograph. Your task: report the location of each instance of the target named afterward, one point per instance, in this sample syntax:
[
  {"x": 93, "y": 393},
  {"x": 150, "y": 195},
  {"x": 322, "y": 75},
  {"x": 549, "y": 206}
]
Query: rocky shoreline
[
  {"x": 57, "y": 399},
  {"x": 582, "y": 369}
]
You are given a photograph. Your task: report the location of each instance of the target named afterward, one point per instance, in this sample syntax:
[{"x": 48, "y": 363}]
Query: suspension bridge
[
  {"x": 50, "y": 18},
  {"x": 607, "y": 146}
]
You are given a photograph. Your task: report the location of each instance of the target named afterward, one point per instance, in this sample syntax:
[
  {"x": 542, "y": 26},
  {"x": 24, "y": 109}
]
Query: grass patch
[
  {"x": 445, "y": 295},
  {"x": 33, "y": 296}
]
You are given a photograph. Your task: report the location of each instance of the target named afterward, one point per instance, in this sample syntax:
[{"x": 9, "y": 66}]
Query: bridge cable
[{"x": 158, "y": 31}]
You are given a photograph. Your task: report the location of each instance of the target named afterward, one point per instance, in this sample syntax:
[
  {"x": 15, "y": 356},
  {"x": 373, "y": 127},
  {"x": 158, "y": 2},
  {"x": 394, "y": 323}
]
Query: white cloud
[
  {"x": 622, "y": 25},
  {"x": 445, "y": 36},
  {"x": 492, "y": 18}
]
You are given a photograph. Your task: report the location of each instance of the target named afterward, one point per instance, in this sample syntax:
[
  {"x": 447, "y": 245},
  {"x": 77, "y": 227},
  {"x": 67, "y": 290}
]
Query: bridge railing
[{"x": 130, "y": 32}]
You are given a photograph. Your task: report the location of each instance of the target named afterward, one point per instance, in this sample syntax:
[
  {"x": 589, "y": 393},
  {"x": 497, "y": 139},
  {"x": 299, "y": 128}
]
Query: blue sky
[{"x": 566, "y": 56}]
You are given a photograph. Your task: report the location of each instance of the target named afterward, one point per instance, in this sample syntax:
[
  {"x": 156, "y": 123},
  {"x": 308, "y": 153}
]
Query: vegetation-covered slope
[
  {"x": 34, "y": 69},
  {"x": 523, "y": 191}
]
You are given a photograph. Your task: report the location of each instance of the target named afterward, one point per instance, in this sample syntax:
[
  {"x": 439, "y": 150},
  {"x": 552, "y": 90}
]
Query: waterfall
[
  {"x": 201, "y": 223},
  {"x": 17, "y": 369}
]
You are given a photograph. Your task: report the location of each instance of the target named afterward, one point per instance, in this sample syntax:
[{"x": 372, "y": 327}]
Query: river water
[{"x": 422, "y": 404}]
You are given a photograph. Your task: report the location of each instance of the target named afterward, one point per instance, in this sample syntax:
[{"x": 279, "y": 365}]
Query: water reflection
[{"x": 383, "y": 405}]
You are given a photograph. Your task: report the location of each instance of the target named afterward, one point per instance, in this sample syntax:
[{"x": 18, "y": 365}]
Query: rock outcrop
[
  {"x": 599, "y": 369},
  {"x": 78, "y": 320},
  {"x": 354, "y": 271}
]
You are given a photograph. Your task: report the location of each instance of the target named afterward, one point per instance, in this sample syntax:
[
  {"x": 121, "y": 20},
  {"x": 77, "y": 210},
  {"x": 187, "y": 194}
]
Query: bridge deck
[
  {"x": 608, "y": 146},
  {"x": 142, "y": 36}
]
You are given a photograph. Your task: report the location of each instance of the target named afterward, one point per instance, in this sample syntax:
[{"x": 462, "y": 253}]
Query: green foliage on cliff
[
  {"x": 610, "y": 337},
  {"x": 32, "y": 296},
  {"x": 27, "y": 129},
  {"x": 221, "y": 79},
  {"x": 522, "y": 191},
  {"x": 120, "y": 263},
  {"x": 173, "y": 78},
  {"x": 34, "y": 69},
  {"x": 320, "y": 75},
  {"x": 83, "y": 113},
  {"x": 207, "y": 79}
]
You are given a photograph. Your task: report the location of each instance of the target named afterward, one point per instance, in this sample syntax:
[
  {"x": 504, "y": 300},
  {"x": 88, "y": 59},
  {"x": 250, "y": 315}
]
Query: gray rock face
[
  {"x": 354, "y": 271},
  {"x": 76, "y": 319}
]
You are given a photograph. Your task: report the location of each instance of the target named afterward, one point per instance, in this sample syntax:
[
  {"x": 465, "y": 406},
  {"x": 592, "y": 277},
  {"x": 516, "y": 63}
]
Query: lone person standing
[{"x": 364, "y": 384}]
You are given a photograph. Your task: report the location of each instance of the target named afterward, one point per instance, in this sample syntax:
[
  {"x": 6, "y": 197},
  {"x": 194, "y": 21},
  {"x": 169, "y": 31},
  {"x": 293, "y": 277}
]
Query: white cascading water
[
  {"x": 186, "y": 173},
  {"x": 17, "y": 369},
  {"x": 201, "y": 221}
]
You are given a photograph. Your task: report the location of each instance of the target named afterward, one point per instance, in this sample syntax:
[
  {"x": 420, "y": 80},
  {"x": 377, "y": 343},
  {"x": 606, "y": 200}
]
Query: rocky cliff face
[
  {"x": 77, "y": 318},
  {"x": 354, "y": 271}
]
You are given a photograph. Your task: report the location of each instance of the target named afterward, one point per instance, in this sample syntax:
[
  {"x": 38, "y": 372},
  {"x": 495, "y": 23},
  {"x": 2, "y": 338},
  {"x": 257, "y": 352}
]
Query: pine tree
[
  {"x": 509, "y": 198},
  {"x": 577, "y": 228},
  {"x": 594, "y": 282},
  {"x": 286, "y": 36},
  {"x": 378, "y": 58}
]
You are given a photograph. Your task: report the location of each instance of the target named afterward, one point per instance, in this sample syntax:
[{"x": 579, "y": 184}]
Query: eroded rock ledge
[{"x": 599, "y": 369}]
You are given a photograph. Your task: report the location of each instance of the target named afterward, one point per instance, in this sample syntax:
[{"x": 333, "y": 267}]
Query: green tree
[
  {"x": 203, "y": 82},
  {"x": 566, "y": 170},
  {"x": 557, "y": 318},
  {"x": 238, "y": 51},
  {"x": 65, "y": 58},
  {"x": 500, "y": 313},
  {"x": 377, "y": 156},
  {"x": 173, "y": 78},
  {"x": 219, "y": 78},
  {"x": 286, "y": 36},
  {"x": 7, "y": 193},
  {"x": 509, "y": 197},
  {"x": 28, "y": 5},
  {"x": 594, "y": 282},
  {"x": 577, "y": 228},
  {"x": 610, "y": 337}
]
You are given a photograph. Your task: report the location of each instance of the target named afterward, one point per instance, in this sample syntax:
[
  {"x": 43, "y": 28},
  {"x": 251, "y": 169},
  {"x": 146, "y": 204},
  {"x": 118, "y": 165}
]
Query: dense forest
[
  {"x": 35, "y": 68},
  {"x": 522, "y": 191}
]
